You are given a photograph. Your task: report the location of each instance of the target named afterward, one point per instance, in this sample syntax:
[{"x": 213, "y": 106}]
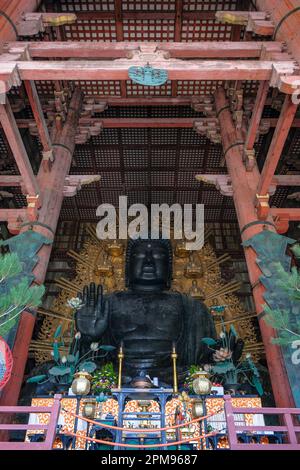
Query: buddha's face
[{"x": 149, "y": 266}]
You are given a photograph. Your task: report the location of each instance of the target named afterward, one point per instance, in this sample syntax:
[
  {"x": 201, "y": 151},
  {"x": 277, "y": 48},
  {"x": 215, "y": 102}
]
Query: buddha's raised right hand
[{"x": 92, "y": 317}]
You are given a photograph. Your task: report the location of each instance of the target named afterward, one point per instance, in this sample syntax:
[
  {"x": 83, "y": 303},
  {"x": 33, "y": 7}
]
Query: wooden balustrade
[
  {"x": 49, "y": 429},
  {"x": 290, "y": 430}
]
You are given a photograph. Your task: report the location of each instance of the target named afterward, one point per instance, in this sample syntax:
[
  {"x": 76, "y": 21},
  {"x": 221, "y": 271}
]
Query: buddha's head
[{"x": 148, "y": 265}]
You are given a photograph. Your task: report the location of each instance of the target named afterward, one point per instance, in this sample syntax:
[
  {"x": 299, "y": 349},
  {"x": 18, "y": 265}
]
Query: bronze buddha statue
[{"x": 148, "y": 318}]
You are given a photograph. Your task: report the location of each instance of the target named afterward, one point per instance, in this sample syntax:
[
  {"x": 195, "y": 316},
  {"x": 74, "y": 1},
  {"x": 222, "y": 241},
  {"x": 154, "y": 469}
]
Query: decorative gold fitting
[
  {"x": 249, "y": 159},
  {"x": 263, "y": 197},
  {"x": 59, "y": 20},
  {"x": 48, "y": 155},
  {"x": 33, "y": 202},
  {"x": 262, "y": 206}
]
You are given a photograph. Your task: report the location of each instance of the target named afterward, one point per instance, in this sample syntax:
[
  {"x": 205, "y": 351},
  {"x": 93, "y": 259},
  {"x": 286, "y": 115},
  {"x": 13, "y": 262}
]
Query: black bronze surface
[{"x": 147, "y": 318}]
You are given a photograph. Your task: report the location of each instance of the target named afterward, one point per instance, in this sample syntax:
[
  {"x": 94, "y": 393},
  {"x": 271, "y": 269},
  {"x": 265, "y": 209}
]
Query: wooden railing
[
  {"x": 48, "y": 429},
  {"x": 289, "y": 430}
]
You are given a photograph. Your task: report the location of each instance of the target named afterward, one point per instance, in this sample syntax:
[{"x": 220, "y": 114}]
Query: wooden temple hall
[{"x": 136, "y": 342}]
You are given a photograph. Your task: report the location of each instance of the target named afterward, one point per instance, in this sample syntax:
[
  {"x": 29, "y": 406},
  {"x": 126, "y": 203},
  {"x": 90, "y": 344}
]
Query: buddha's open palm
[{"x": 92, "y": 317}]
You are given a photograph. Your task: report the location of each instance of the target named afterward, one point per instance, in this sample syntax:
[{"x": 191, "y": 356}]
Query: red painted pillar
[
  {"x": 286, "y": 17},
  {"x": 244, "y": 188},
  {"x": 51, "y": 185},
  {"x": 14, "y": 9}
]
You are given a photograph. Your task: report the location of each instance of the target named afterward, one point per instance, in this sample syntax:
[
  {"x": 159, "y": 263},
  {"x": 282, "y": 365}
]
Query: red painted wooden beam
[
  {"x": 286, "y": 180},
  {"x": 244, "y": 185},
  {"x": 118, "y": 20},
  {"x": 7, "y": 214},
  {"x": 38, "y": 115},
  {"x": 13, "y": 11},
  {"x": 144, "y": 101},
  {"x": 178, "y": 20},
  {"x": 287, "y": 26},
  {"x": 180, "y": 50},
  {"x": 281, "y": 132},
  {"x": 256, "y": 115},
  {"x": 15, "y": 141},
  {"x": 289, "y": 213},
  {"x": 145, "y": 122},
  {"x": 146, "y": 15},
  {"x": 283, "y": 216},
  {"x": 51, "y": 184},
  {"x": 118, "y": 70}
]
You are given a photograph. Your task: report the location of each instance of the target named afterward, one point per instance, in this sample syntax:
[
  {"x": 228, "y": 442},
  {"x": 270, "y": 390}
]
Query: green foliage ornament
[{"x": 15, "y": 296}]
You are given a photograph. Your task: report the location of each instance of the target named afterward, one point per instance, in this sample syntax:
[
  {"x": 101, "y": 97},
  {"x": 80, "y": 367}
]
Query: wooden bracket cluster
[
  {"x": 221, "y": 182},
  {"x": 264, "y": 127},
  {"x": 14, "y": 218},
  {"x": 277, "y": 100},
  {"x": 257, "y": 22},
  {"x": 248, "y": 105},
  {"x": 204, "y": 104},
  {"x": 34, "y": 23},
  {"x": 235, "y": 96},
  {"x": 283, "y": 216},
  {"x": 73, "y": 183},
  {"x": 91, "y": 106},
  {"x": 86, "y": 130},
  {"x": 286, "y": 77},
  {"x": 60, "y": 103},
  {"x": 210, "y": 128},
  {"x": 9, "y": 70}
]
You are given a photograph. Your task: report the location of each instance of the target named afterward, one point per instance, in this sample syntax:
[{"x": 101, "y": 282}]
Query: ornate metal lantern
[
  {"x": 201, "y": 383},
  {"x": 89, "y": 408},
  {"x": 197, "y": 408},
  {"x": 81, "y": 385}
]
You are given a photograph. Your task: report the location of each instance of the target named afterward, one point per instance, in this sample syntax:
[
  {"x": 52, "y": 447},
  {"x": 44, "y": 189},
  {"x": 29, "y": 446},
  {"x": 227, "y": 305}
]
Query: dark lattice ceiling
[{"x": 148, "y": 165}]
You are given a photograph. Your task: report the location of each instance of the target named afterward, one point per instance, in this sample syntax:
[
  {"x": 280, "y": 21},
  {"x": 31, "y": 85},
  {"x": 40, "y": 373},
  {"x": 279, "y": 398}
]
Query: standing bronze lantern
[{"x": 201, "y": 383}]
